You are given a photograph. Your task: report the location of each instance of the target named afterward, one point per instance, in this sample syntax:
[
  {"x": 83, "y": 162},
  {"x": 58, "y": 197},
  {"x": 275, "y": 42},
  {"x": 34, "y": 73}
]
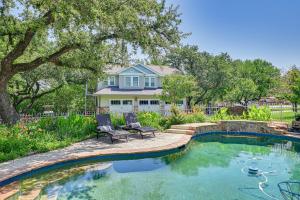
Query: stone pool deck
[{"x": 90, "y": 148}]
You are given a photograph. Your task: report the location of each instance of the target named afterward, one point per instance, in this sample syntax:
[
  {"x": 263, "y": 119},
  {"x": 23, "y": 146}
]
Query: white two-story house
[{"x": 134, "y": 89}]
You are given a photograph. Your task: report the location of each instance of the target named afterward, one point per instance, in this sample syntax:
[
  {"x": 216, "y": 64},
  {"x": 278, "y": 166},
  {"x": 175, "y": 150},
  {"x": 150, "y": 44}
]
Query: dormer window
[
  {"x": 149, "y": 81},
  {"x": 131, "y": 81},
  {"x": 111, "y": 81}
]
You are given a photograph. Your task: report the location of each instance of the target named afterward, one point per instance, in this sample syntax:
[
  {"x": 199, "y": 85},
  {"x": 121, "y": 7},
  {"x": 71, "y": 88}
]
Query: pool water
[{"x": 211, "y": 168}]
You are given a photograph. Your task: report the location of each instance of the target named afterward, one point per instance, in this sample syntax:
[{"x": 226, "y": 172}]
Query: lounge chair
[
  {"x": 105, "y": 126},
  {"x": 133, "y": 124}
]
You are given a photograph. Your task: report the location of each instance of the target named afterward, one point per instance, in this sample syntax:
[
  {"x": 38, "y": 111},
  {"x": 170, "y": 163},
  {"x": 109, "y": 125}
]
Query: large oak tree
[{"x": 75, "y": 33}]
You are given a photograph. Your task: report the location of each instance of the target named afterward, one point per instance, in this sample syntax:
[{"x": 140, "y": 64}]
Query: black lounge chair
[
  {"x": 105, "y": 126},
  {"x": 133, "y": 124}
]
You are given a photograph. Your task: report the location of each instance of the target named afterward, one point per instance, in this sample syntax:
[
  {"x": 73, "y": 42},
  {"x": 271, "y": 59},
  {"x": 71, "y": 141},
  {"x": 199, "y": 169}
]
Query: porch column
[
  {"x": 135, "y": 105},
  {"x": 162, "y": 107}
]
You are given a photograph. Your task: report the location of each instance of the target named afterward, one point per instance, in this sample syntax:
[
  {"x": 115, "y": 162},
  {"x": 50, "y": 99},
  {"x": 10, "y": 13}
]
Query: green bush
[
  {"x": 178, "y": 117},
  {"x": 194, "y": 117},
  {"x": 258, "y": 113},
  {"x": 73, "y": 126},
  {"x": 151, "y": 119},
  {"x": 44, "y": 135},
  {"x": 117, "y": 120},
  {"x": 222, "y": 114},
  {"x": 297, "y": 116}
]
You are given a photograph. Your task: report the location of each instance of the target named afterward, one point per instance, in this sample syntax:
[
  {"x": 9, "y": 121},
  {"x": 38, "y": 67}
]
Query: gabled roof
[
  {"x": 146, "y": 69},
  {"x": 163, "y": 70},
  {"x": 131, "y": 70}
]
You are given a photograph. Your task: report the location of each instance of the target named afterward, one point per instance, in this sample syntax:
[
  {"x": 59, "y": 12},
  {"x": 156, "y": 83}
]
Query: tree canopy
[
  {"x": 212, "y": 73},
  {"x": 219, "y": 77},
  {"x": 177, "y": 87},
  {"x": 252, "y": 80},
  {"x": 291, "y": 83}
]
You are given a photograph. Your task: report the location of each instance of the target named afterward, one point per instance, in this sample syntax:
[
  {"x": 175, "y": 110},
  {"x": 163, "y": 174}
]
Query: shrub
[
  {"x": 117, "y": 120},
  {"x": 194, "y": 117},
  {"x": 258, "y": 113},
  {"x": 151, "y": 119},
  {"x": 44, "y": 135},
  {"x": 74, "y": 126},
  {"x": 177, "y": 117},
  {"x": 297, "y": 117},
  {"x": 222, "y": 114}
]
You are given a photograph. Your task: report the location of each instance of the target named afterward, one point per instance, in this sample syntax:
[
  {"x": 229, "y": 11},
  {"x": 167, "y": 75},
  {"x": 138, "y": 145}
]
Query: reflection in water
[
  {"x": 210, "y": 164},
  {"x": 137, "y": 165}
]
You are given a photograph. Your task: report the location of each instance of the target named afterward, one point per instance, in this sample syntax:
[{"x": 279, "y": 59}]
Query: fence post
[{"x": 281, "y": 117}]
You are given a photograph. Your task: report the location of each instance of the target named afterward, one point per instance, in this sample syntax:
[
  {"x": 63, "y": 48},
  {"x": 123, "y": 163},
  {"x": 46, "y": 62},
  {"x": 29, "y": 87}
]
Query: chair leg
[
  {"x": 153, "y": 133},
  {"x": 111, "y": 139}
]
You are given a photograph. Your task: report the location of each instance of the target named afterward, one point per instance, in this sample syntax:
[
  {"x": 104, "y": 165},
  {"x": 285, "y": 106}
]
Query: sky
[{"x": 246, "y": 29}]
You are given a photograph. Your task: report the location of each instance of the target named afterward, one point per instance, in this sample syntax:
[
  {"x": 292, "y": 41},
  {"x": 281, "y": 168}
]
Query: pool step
[
  {"x": 184, "y": 127},
  {"x": 180, "y": 131}
]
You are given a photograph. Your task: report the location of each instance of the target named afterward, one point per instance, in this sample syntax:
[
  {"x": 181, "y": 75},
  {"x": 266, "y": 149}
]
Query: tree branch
[
  {"x": 21, "y": 67},
  {"x": 58, "y": 62},
  {"x": 23, "y": 43},
  {"x": 36, "y": 95}
]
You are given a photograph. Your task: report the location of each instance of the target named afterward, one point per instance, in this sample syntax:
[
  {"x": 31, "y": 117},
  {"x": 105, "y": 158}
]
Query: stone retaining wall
[{"x": 245, "y": 126}]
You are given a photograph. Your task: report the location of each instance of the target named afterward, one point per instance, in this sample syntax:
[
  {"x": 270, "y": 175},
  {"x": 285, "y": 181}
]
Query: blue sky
[{"x": 246, "y": 29}]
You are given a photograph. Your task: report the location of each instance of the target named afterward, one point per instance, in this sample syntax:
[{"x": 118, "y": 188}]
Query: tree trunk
[
  {"x": 8, "y": 113},
  {"x": 188, "y": 103}
]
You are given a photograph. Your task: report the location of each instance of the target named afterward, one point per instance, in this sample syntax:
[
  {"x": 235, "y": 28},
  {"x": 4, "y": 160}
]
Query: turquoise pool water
[{"x": 211, "y": 168}]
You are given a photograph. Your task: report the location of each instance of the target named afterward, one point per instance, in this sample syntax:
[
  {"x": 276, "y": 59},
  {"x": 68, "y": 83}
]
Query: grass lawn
[{"x": 287, "y": 116}]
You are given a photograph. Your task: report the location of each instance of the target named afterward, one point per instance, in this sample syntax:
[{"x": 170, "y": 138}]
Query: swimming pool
[{"x": 211, "y": 167}]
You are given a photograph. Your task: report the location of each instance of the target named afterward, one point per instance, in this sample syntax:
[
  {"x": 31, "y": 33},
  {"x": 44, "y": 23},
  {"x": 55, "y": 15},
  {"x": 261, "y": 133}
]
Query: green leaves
[
  {"x": 251, "y": 80},
  {"x": 212, "y": 73},
  {"x": 243, "y": 90},
  {"x": 292, "y": 85},
  {"x": 177, "y": 87},
  {"x": 258, "y": 113}
]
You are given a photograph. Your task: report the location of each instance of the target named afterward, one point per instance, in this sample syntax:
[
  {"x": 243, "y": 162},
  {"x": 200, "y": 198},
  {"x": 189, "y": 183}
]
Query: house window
[
  {"x": 115, "y": 102},
  {"x": 135, "y": 81},
  {"x": 149, "y": 82},
  {"x": 144, "y": 102},
  {"x": 154, "y": 102},
  {"x": 127, "y": 102},
  {"x": 111, "y": 81},
  {"x": 127, "y": 81},
  {"x": 180, "y": 103},
  {"x": 131, "y": 81}
]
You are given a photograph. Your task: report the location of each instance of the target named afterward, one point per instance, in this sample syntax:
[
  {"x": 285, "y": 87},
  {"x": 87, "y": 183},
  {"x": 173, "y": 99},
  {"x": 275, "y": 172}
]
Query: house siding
[
  {"x": 158, "y": 82},
  {"x": 104, "y": 102}
]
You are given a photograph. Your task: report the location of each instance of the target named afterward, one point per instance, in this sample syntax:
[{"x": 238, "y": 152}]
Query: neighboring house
[{"x": 133, "y": 89}]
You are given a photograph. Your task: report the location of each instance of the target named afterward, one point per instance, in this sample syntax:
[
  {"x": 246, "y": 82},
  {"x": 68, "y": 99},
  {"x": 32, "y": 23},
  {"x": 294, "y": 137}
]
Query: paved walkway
[{"x": 92, "y": 147}]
